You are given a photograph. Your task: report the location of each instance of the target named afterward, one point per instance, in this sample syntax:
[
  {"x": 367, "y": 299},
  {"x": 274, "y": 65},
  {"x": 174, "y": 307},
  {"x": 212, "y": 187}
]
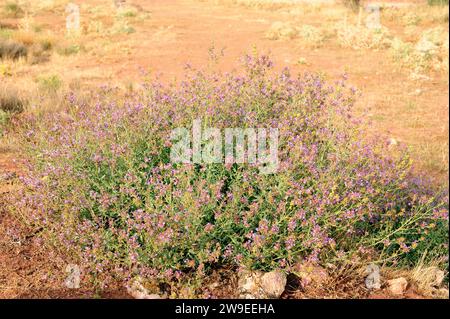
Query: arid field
[{"x": 89, "y": 93}]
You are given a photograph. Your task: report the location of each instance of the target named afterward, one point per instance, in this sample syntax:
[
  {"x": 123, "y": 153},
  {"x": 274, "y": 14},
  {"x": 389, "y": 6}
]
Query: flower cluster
[{"x": 102, "y": 186}]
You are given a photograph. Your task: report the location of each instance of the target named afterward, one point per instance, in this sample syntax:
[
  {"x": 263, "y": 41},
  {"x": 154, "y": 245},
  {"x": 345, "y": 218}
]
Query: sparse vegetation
[
  {"x": 360, "y": 37},
  {"x": 4, "y": 120},
  {"x": 10, "y": 100},
  {"x": 49, "y": 83},
  {"x": 353, "y": 4},
  {"x": 437, "y": 2},
  {"x": 10, "y": 103},
  {"x": 12, "y": 50},
  {"x": 430, "y": 52},
  {"x": 27, "y": 38},
  {"x": 127, "y": 12},
  {"x": 282, "y": 30},
  {"x": 69, "y": 49},
  {"x": 12, "y": 9},
  {"x": 312, "y": 35},
  {"x": 46, "y": 44},
  {"x": 5, "y": 33},
  {"x": 286, "y": 31},
  {"x": 259, "y": 4},
  {"x": 122, "y": 26}
]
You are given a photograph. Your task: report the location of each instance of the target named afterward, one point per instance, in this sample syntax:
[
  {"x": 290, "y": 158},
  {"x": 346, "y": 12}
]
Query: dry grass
[
  {"x": 427, "y": 279},
  {"x": 429, "y": 52},
  {"x": 342, "y": 282},
  {"x": 48, "y": 5},
  {"x": 25, "y": 37},
  {"x": 313, "y": 36},
  {"x": 360, "y": 37},
  {"x": 12, "y": 9},
  {"x": 12, "y": 50},
  {"x": 308, "y": 34},
  {"x": 10, "y": 99},
  {"x": 422, "y": 15},
  {"x": 33, "y": 48},
  {"x": 259, "y": 4},
  {"x": 282, "y": 30}
]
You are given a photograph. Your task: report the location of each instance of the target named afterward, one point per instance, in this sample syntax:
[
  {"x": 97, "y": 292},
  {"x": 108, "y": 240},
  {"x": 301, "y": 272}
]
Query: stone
[
  {"x": 373, "y": 279},
  {"x": 138, "y": 291},
  {"x": 392, "y": 141},
  {"x": 73, "y": 276},
  {"x": 426, "y": 46},
  {"x": 256, "y": 284},
  {"x": 249, "y": 284},
  {"x": 439, "y": 278},
  {"x": 397, "y": 286},
  {"x": 273, "y": 283},
  {"x": 437, "y": 275}
]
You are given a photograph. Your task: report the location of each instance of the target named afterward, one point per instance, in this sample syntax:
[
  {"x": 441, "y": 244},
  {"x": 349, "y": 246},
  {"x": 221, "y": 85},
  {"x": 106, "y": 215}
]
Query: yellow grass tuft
[
  {"x": 281, "y": 30},
  {"x": 361, "y": 37},
  {"x": 310, "y": 35}
]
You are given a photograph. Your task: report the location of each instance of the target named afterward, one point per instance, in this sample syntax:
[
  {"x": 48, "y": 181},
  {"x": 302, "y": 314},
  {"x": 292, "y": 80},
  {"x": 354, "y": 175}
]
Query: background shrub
[
  {"x": 353, "y": 4},
  {"x": 49, "y": 83},
  {"x": 10, "y": 101},
  {"x": 12, "y": 9},
  {"x": 5, "y": 33},
  {"x": 69, "y": 49},
  {"x": 4, "y": 119},
  {"x": 12, "y": 50},
  {"x": 437, "y": 2}
]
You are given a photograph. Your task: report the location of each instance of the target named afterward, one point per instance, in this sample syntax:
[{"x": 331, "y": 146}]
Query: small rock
[
  {"x": 256, "y": 284},
  {"x": 439, "y": 278},
  {"x": 397, "y": 286},
  {"x": 373, "y": 280},
  {"x": 73, "y": 276},
  {"x": 273, "y": 283},
  {"x": 138, "y": 291},
  {"x": 426, "y": 46},
  {"x": 214, "y": 285},
  {"x": 392, "y": 141},
  {"x": 437, "y": 275},
  {"x": 249, "y": 284}
]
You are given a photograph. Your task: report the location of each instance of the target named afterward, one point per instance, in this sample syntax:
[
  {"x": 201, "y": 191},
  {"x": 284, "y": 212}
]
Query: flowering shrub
[{"x": 103, "y": 188}]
